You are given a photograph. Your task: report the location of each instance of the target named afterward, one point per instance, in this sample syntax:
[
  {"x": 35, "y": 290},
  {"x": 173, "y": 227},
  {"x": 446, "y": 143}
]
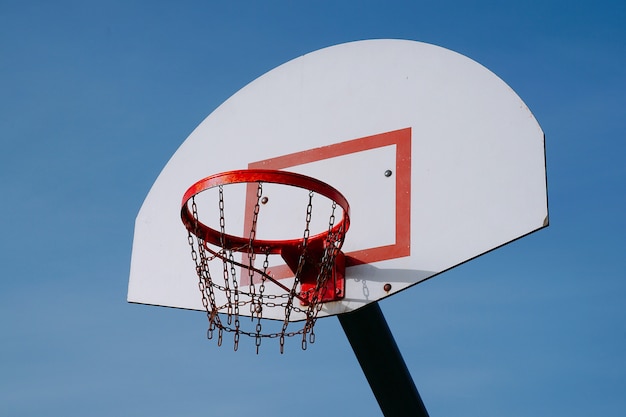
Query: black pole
[{"x": 382, "y": 362}]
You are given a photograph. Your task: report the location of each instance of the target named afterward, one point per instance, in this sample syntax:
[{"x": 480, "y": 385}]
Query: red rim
[{"x": 231, "y": 242}]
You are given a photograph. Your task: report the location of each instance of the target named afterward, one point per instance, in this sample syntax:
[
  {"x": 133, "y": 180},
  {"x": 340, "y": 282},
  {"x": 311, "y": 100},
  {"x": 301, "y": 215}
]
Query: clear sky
[{"x": 96, "y": 96}]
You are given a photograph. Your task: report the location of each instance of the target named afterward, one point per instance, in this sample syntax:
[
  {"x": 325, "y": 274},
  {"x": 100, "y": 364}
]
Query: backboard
[{"x": 438, "y": 158}]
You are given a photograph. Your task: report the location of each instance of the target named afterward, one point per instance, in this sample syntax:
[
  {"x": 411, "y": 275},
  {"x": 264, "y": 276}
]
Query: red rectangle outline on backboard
[{"x": 402, "y": 140}]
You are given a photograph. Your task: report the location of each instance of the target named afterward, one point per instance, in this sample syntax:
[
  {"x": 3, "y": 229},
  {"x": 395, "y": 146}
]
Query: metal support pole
[{"x": 382, "y": 362}]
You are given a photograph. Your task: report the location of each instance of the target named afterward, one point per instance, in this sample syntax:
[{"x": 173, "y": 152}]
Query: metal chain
[
  {"x": 225, "y": 270},
  {"x": 296, "y": 281},
  {"x": 259, "y": 306},
  {"x": 328, "y": 260},
  {"x": 254, "y": 297},
  {"x": 251, "y": 254},
  {"x": 204, "y": 276}
]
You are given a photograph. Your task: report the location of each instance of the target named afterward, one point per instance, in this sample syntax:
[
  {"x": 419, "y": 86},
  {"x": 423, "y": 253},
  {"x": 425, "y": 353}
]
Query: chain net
[{"x": 243, "y": 284}]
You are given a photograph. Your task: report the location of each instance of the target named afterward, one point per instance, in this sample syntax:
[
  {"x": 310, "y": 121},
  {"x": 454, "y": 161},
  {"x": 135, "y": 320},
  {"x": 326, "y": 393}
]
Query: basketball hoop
[{"x": 315, "y": 261}]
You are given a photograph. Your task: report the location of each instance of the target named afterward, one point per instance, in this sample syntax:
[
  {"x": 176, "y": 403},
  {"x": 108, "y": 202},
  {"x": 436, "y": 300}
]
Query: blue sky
[{"x": 96, "y": 96}]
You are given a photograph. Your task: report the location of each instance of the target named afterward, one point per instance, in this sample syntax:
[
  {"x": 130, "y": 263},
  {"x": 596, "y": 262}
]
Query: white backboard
[{"x": 465, "y": 154}]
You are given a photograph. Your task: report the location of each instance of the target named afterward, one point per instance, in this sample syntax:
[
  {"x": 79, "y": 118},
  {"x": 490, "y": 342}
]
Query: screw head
[
  {"x": 388, "y": 173},
  {"x": 264, "y": 200},
  {"x": 387, "y": 287}
]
